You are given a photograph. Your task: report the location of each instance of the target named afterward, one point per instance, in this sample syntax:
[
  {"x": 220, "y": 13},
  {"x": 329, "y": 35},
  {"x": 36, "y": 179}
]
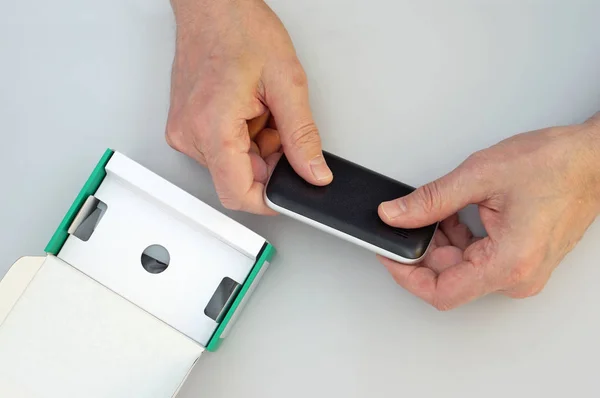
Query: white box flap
[
  {"x": 68, "y": 336},
  {"x": 16, "y": 281}
]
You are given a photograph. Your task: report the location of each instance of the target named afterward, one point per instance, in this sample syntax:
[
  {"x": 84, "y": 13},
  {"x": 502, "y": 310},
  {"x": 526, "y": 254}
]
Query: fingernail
[
  {"x": 319, "y": 168},
  {"x": 394, "y": 208}
]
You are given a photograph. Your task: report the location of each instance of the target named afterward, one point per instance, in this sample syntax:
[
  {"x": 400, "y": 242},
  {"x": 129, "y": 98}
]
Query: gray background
[{"x": 408, "y": 88}]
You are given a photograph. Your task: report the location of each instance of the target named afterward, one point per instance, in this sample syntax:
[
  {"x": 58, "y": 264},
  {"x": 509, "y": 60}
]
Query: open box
[{"x": 139, "y": 279}]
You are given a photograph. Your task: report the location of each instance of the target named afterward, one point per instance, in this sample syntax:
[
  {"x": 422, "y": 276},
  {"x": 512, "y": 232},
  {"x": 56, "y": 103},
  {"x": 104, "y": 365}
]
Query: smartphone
[{"x": 347, "y": 207}]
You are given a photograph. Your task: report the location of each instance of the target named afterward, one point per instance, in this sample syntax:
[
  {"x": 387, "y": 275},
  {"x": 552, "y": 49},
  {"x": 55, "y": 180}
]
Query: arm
[{"x": 595, "y": 138}]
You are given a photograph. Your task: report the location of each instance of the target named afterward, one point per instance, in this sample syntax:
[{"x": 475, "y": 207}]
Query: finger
[
  {"x": 455, "y": 286},
  {"x": 458, "y": 233},
  {"x": 435, "y": 201},
  {"x": 232, "y": 171},
  {"x": 416, "y": 279},
  {"x": 442, "y": 254},
  {"x": 257, "y": 124},
  {"x": 286, "y": 95},
  {"x": 442, "y": 258},
  {"x": 268, "y": 141},
  {"x": 474, "y": 277},
  {"x": 272, "y": 123},
  {"x": 271, "y": 161},
  {"x": 259, "y": 168},
  {"x": 440, "y": 238}
]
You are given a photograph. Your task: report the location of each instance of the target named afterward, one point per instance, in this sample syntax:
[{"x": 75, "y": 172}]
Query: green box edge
[
  {"x": 267, "y": 254},
  {"x": 90, "y": 187}
]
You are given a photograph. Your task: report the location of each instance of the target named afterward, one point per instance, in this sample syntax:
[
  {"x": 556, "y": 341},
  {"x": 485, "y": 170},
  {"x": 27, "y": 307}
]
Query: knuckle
[
  {"x": 534, "y": 290},
  {"x": 525, "y": 268},
  {"x": 296, "y": 73},
  {"x": 476, "y": 158},
  {"x": 529, "y": 291},
  {"x": 478, "y": 165},
  {"x": 429, "y": 196},
  {"x": 230, "y": 203},
  {"x": 518, "y": 274},
  {"x": 442, "y": 305},
  {"x": 174, "y": 136},
  {"x": 237, "y": 140},
  {"x": 514, "y": 276},
  {"x": 173, "y": 139},
  {"x": 480, "y": 253},
  {"x": 306, "y": 135},
  {"x": 186, "y": 135}
]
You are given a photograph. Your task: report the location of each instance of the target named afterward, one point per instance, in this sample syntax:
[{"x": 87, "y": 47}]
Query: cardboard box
[{"x": 139, "y": 279}]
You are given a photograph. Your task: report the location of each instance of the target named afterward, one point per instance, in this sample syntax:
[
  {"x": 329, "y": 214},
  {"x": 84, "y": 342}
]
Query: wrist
[
  {"x": 593, "y": 126},
  {"x": 193, "y": 11}
]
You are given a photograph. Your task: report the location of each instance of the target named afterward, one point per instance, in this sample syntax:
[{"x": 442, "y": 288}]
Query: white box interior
[{"x": 204, "y": 246}]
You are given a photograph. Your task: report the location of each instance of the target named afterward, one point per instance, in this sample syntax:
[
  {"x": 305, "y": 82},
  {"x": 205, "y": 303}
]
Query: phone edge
[{"x": 344, "y": 236}]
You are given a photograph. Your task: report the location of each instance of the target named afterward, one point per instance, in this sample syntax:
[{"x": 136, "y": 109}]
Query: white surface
[
  {"x": 139, "y": 215},
  {"x": 14, "y": 283},
  {"x": 183, "y": 206},
  {"x": 408, "y": 88},
  {"x": 68, "y": 336}
]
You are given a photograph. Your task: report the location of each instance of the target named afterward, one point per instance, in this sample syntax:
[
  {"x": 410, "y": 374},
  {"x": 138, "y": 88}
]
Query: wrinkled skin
[
  {"x": 537, "y": 194},
  {"x": 239, "y": 99}
]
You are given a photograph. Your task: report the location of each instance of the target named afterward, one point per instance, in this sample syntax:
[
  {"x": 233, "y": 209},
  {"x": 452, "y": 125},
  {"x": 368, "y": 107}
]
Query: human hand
[
  {"x": 537, "y": 194},
  {"x": 238, "y": 97}
]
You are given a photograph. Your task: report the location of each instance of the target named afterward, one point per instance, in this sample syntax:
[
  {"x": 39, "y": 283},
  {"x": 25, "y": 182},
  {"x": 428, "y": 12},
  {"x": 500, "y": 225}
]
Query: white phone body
[{"x": 345, "y": 236}]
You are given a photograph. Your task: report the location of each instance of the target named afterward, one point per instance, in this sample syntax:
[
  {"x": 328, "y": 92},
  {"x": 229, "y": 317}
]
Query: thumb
[
  {"x": 286, "y": 95},
  {"x": 435, "y": 201}
]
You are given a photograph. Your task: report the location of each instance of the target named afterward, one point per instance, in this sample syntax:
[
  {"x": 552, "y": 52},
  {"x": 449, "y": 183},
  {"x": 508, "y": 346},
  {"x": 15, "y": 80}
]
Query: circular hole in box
[{"x": 155, "y": 259}]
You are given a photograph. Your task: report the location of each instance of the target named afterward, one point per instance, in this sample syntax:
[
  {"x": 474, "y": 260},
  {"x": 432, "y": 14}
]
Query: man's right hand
[
  {"x": 238, "y": 97},
  {"x": 537, "y": 194}
]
